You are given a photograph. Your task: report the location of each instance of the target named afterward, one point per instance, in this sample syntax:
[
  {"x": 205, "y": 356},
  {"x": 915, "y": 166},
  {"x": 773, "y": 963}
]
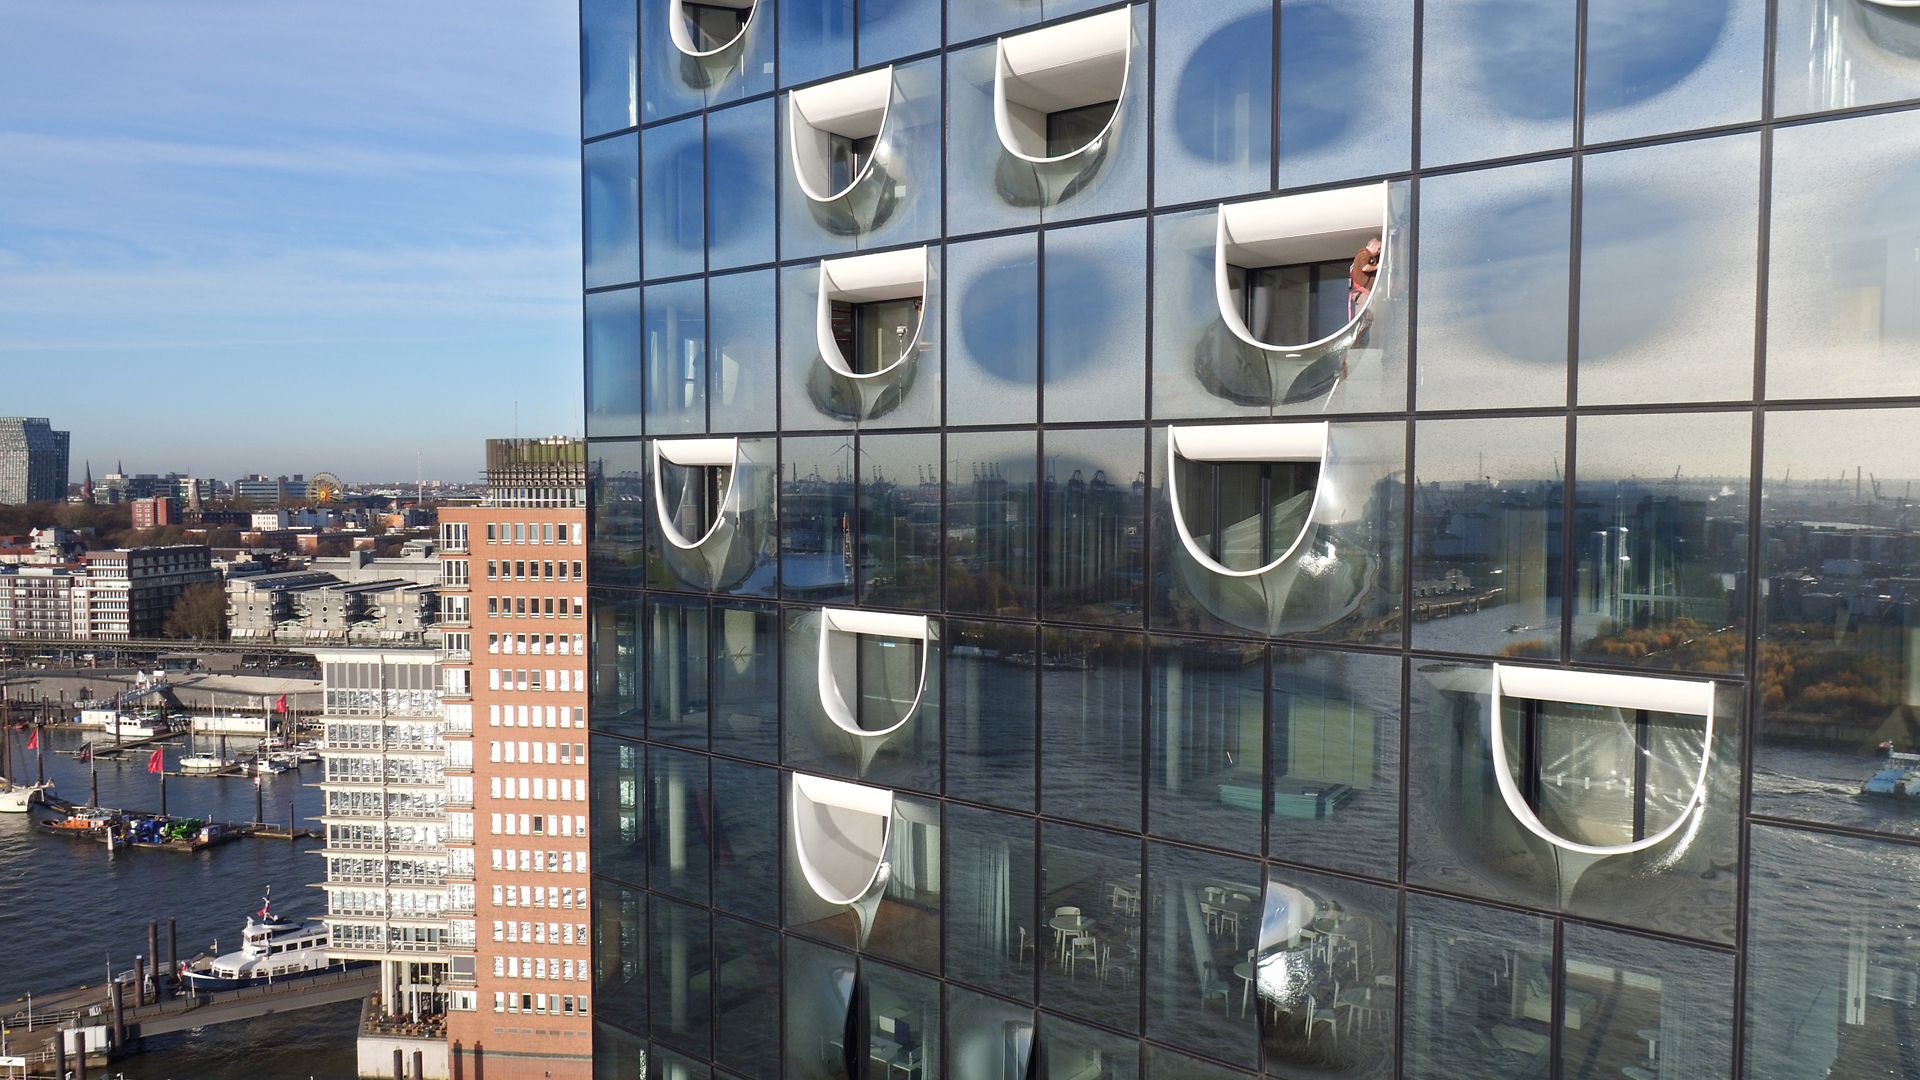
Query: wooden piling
[
  {"x": 399, "y": 1065},
  {"x": 80, "y": 1055},
  {"x": 139, "y": 981},
  {"x": 173, "y": 948},
  {"x": 419, "y": 1066},
  {"x": 119, "y": 1014},
  {"x": 153, "y": 957},
  {"x": 60, "y": 1053}
]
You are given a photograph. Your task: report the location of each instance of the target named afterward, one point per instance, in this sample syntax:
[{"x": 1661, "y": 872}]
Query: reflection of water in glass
[{"x": 1223, "y": 103}]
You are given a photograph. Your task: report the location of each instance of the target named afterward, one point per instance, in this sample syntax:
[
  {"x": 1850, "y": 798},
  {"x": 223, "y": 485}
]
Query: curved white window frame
[
  {"x": 1069, "y": 58},
  {"x": 1314, "y": 227},
  {"x": 857, "y": 103},
  {"x": 1245, "y": 442},
  {"x": 840, "y": 835},
  {"x": 887, "y": 275},
  {"x": 1895, "y": 3},
  {"x": 714, "y": 552},
  {"x": 683, "y": 40},
  {"x": 837, "y": 659},
  {"x": 1685, "y": 697}
]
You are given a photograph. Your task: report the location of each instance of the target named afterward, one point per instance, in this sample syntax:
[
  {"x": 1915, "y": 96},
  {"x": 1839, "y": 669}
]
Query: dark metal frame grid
[{"x": 1756, "y": 407}]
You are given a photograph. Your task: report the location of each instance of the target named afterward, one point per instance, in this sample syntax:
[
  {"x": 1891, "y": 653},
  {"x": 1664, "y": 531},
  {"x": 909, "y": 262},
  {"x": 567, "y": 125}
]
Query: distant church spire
[{"x": 86, "y": 488}]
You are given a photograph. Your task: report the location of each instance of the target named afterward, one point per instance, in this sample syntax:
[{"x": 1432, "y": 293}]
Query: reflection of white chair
[
  {"x": 1318, "y": 1014},
  {"x": 1026, "y": 945},
  {"x": 1212, "y": 986},
  {"x": 1086, "y": 949}
]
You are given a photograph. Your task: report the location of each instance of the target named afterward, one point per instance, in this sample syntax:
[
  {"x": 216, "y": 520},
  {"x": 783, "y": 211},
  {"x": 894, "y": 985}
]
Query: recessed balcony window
[
  {"x": 870, "y": 323},
  {"x": 1243, "y": 496},
  {"x": 1285, "y": 268},
  {"x": 835, "y": 131},
  {"x": 872, "y": 673},
  {"x": 709, "y": 27},
  {"x": 1057, "y": 91},
  {"x": 840, "y": 835},
  {"x": 709, "y": 499}
]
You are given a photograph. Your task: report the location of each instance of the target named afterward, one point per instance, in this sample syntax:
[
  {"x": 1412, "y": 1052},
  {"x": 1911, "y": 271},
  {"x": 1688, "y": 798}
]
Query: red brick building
[{"x": 154, "y": 512}]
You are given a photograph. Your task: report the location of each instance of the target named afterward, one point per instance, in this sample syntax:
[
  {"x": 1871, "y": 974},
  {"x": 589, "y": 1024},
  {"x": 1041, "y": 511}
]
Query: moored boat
[
  {"x": 272, "y": 948},
  {"x": 1899, "y": 778},
  {"x": 18, "y": 798}
]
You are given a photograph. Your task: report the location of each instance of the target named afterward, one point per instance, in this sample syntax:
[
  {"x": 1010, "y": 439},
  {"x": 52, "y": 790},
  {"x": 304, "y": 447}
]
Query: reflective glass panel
[
  {"x": 1321, "y": 975},
  {"x": 620, "y": 955},
  {"x": 1091, "y": 900},
  {"x": 673, "y": 198},
  {"x": 890, "y": 28},
  {"x": 1095, "y": 318},
  {"x": 991, "y": 683},
  {"x": 816, "y": 518},
  {"x": 1094, "y": 527},
  {"x": 617, "y": 490},
  {"x": 992, "y": 348},
  {"x": 609, "y": 67},
  {"x": 676, "y": 344},
  {"x": 1213, "y": 105},
  {"x": 617, "y": 666},
  {"x": 1493, "y": 284},
  {"x": 618, "y": 819},
  {"x": 1654, "y": 67},
  {"x": 1843, "y": 293},
  {"x": 1646, "y": 208},
  {"x": 682, "y": 984},
  {"x": 993, "y": 938},
  {"x": 1487, "y": 536},
  {"x": 742, "y": 160},
  {"x": 899, "y": 542},
  {"x": 1497, "y": 78},
  {"x": 992, "y": 518},
  {"x": 747, "y": 995},
  {"x": 746, "y": 686},
  {"x": 1090, "y": 727},
  {"x": 1346, "y": 89},
  {"x": 1659, "y": 557},
  {"x": 746, "y": 840},
  {"x": 1479, "y": 994},
  {"x": 740, "y": 351},
  {"x": 816, "y": 39},
  {"x": 610, "y": 234},
  {"x": 1336, "y": 760},
  {"x": 679, "y": 797},
  {"x": 1634, "y": 1003},
  {"x": 1208, "y": 741},
  {"x": 614, "y": 371},
  {"x": 1202, "y": 928},
  {"x": 677, "y": 661},
  {"x": 1835, "y": 54}
]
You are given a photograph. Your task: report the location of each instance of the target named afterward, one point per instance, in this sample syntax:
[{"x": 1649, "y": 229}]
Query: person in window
[{"x": 1366, "y": 264}]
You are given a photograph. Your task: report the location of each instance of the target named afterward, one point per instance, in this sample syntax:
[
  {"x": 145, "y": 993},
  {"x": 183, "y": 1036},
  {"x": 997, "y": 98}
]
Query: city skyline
[{"x": 282, "y": 208}]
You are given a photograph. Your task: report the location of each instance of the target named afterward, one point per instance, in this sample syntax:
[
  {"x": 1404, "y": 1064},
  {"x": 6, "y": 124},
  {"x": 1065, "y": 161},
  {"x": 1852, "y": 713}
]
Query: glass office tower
[{"x": 1223, "y": 538}]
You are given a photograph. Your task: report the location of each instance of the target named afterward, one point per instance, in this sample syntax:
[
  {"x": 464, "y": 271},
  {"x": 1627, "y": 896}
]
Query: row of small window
[
  {"x": 539, "y": 933},
  {"x": 534, "y": 896},
  {"x": 534, "y": 607},
  {"x": 529, "y": 861},
  {"x": 406, "y": 804},
  {"x": 383, "y": 902},
  {"x": 541, "y": 967},
  {"x": 396, "y": 938},
  {"x": 537, "y": 753},
  {"x": 536, "y": 824},
  {"x": 538, "y": 570},
  {"x": 537, "y": 644},
  {"x": 534, "y": 715},
  {"x": 354, "y": 770},
  {"x": 540, "y": 1004},
  {"x": 533, "y": 533},
  {"x": 397, "y": 837},
  {"x": 535, "y": 788},
  {"x": 560, "y": 680}
]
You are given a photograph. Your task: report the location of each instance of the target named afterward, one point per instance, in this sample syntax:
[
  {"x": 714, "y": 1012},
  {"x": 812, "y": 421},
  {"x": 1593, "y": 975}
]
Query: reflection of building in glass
[{"x": 1158, "y": 658}]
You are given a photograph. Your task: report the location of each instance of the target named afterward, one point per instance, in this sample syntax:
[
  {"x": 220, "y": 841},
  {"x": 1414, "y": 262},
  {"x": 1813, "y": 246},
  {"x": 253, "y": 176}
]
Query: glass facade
[{"x": 1254, "y": 538}]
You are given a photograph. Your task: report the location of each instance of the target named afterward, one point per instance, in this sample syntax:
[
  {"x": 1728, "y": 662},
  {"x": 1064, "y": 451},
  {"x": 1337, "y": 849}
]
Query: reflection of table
[
  {"x": 1244, "y": 969},
  {"x": 1065, "y": 928}
]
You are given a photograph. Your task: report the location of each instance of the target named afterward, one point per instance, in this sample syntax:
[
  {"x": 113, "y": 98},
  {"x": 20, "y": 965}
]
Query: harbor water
[{"x": 68, "y": 908}]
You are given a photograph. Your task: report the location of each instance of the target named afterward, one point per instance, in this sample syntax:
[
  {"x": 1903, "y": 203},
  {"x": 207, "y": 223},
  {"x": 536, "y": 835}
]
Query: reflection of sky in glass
[{"x": 1498, "y": 78}]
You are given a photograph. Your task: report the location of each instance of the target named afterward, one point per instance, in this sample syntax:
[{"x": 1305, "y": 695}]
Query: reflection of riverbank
[{"x": 1809, "y": 784}]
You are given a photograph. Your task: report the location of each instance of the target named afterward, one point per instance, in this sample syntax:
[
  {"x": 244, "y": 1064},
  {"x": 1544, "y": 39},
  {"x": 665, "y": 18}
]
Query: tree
[{"x": 199, "y": 613}]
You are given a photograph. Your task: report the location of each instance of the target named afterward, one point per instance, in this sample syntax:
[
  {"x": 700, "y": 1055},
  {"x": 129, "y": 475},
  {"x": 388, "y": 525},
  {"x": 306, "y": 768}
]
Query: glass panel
[
  {"x": 890, "y": 28},
  {"x": 609, "y": 67},
  {"x": 1090, "y": 891},
  {"x": 1634, "y": 1004},
  {"x": 1095, "y": 318},
  {"x": 899, "y": 545},
  {"x": 1839, "y": 653},
  {"x": 617, "y": 490},
  {"x": 978, "y": 18},
  {"x": 1209, "y": 742},
  {"x": 617, "y": 1053},
  {"x": 993, "y": 937},
  {"x": 1831, "y": 980},
  {"x": 1479, "y": 995},
  {"x": 992, "y": 350},
  {"x": 907, "y": 925},
  {"x": 903, "y": 1027},
  {"x": 620, "y": 955},
  {"x": 617, "y": 668},
  {"x": 991, "y": 521},
  {"x": 664, "y": 1064},
  {"x": 1164, "y": 1064},
  {"x": 816, "y": 39},
  {"x": 1498, "y": 79},
  {"x": 611, "y": 232},
  {"x": 618, "y": 820},
  {"x": 816, "y": 519},
  {"x": 1214, "y": 102},
  {"x": 673, "y": 83},
  {"x": 1487, "y": 537},
  {"x": 746, "y": 686},
  {"x": 1322, "y": 978},
  {"x": 677, "y": 661},
  {"x": 673, "y": 199},
  {"x": 990, "y": 685},
  {"x": 820, "y": 1000},
  {"x": 1336, "y": 760},
  {"x": 1493, "y": 284},
  {"x": 1654, "y": 67},
  {"x": 740, "y": 369},
  {"x": 1659, "y": 559},
  {"x": 1346, "y": 89},
  {"x": 1075, "y": 1051},
  {"x": 1835, "y": 54},
  {"x": 1843, "y": 303},
  {"x": 614, "y": 372},
  {"x": 682, "y": 983},
  {"x": 1647, "y": 208},
  {"x": 898, "y": 202},
  {"x": 1093, "y": 535},
  {"x": 888, "y": 685},
  {"x": 746, "y": 840},
  {"x": 989, "y": 1037},
  {"x": 1090, "y": 726},
  {"x": 742, "y": 161},
  {"x": 680, "y": 823},
  {"x": 1201, "y": 924},
  {"x": 676, "y": 329},
  {"x": 800, "y": 351}
]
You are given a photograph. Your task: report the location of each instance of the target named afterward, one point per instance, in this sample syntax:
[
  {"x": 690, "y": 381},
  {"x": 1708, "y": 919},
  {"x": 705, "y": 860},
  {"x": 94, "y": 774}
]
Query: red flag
[
  {"x": 156, "y": 763},
  {"x": 281, "y": 705},
  {"x": 85, "y": 754},
  {"x": 33, "y": 740}
]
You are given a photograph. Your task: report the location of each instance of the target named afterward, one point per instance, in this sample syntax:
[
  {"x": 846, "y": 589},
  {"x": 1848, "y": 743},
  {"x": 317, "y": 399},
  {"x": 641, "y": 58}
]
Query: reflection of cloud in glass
[
  {"x": 732, "y": 165},
  {"x": 1520, "y": 260},
  {"x": 998, "y": 315},
  {"x": 1223, "y": 102},
  {"x": 1088, "y": 302},
  {"x": 1516, "y": 49},
  {"x": 1625, "y": 232},
  {"x": 1321, "y": 53},
  {"x": 1637, "y": 49}
]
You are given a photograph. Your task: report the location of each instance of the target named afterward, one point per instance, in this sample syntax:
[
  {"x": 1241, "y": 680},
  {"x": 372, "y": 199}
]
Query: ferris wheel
[{"x": 324, "y": 489}]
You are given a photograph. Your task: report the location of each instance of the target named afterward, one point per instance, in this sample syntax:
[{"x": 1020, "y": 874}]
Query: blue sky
[{"x": 240, "y": 236}]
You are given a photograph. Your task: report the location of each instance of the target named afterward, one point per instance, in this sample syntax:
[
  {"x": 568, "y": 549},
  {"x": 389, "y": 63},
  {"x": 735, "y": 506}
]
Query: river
[{"x": 67, "y": 908}]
